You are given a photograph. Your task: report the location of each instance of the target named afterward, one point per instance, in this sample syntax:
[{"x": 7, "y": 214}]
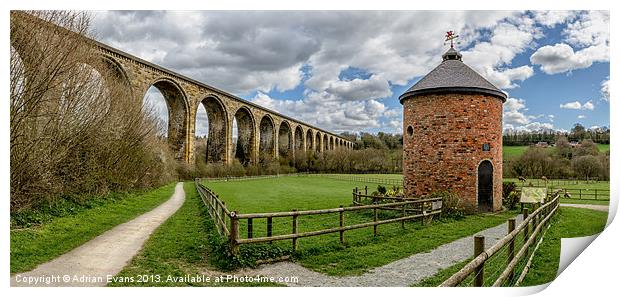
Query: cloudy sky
[{"x": 344, "y": 71}]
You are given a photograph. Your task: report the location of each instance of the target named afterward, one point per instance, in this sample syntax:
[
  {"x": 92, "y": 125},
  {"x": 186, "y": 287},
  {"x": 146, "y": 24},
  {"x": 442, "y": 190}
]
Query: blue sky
[{"x": 344, "y": 71}]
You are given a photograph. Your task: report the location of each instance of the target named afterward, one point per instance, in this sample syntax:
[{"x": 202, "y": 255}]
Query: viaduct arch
[{"x": 260, "y": 130}]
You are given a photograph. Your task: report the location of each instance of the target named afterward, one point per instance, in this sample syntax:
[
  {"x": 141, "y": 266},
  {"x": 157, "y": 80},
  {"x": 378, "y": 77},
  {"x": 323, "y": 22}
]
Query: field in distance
[{"x": 513, "y": 152}]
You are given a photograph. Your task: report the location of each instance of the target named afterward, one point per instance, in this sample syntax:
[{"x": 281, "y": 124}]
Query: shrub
[
  {"x": 381, "y": 189},
  {"x": 395, "y": 192},
  {"x": 507, "y": 188},
  {"x": 451, "y": 205},
  {"x": 510, "y": 201}
]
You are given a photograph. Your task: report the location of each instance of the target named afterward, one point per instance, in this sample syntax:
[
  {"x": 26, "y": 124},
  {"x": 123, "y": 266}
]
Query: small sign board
[
  {"x": 533, "y": 195},
  {"x": 486, "y": 147},
  {"x": 436, "y": 205}
]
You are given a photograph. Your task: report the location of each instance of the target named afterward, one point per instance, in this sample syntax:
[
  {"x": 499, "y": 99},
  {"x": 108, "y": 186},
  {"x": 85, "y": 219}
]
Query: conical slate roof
[{"x": 453, "y": 76}]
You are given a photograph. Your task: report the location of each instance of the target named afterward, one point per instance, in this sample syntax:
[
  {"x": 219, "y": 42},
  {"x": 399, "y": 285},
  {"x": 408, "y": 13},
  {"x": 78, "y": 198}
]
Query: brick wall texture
[{"x": 446, "y": 146}]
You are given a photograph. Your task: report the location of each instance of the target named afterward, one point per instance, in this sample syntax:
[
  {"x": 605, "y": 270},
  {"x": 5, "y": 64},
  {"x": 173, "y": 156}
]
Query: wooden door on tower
[{"x": 485, "y": 186}]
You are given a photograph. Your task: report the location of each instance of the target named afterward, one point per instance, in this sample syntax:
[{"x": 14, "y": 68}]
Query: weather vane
[{"x": 450, "y": 36}]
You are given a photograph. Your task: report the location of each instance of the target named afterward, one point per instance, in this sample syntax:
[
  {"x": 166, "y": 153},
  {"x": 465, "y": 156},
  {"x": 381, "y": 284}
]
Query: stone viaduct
[{"x": 260, "y": 130}]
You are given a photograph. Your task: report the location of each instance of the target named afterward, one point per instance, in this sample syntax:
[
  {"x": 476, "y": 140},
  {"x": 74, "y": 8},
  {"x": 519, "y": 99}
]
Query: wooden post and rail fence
[
  {"x": 530, "y": 229},
  {"x": 228, "y": 222},
  {"x": 581, "y": 194},
  {"x": 364, "y": 179}
]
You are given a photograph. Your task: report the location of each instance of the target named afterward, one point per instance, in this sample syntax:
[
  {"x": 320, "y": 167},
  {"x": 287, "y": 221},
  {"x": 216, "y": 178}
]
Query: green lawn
[
  {"x": 569, "y": 222},
  {"x": 377, "y": 175},
  {"x": 584, "y": 201},
  {"x": 177, "y": 248},
  {"x": 33, "y": 246},
  {"x": 603, "y": 147},
  {"x": 325, "y": 254},
  {"x": 284, "y": 193},
  {"x": 513, "y": 152},
  {"x": 563, "y": 184}
]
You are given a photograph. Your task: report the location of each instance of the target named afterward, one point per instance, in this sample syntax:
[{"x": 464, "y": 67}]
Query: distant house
[{"x": 542, "y": 144}]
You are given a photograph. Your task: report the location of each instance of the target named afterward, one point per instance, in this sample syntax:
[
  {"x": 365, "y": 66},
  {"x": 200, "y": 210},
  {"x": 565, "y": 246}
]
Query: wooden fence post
[
  {"x": 250, "y": 227},
  {"x": 224, "y": 212},
  {"x": 402, "y": 223},
  {"x": 234, "y": 233},
  {"x": 211, "y": 198},
  {"x": 269, "y": 227},
  {"x": 294, "y": 229},
  {"x": 216, "y": 212},
  {"x": 579, "y": 193},
  {"x": 511, "y": 246},
  {"x": 595, "y": 195},
  {"x": 365, "y": 190},
  {"x": 526, "y": 230},
  {"x": 534, "y": 225},
  {"x": 341, "y": 224},
  {"x": 479, "y": 272},
  {"x": 374, "y": 201}
]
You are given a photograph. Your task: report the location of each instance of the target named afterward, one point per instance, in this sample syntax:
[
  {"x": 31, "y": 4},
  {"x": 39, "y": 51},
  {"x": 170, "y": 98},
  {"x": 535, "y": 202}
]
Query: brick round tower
[{"x": 452, "y": 135}]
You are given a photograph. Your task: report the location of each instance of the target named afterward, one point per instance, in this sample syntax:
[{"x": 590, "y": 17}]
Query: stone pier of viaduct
[{"x": 260, "y": 130}]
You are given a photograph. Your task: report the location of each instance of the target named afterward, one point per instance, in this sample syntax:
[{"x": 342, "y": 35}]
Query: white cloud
[
  {"x": 516, "y": 119},
  {"x": 334, "y": 115},
  {"x": 537, "y": 126},
  {"x": 360, "y": 89},
  {"x": 581, "y": 116},
  {"x": 561, "y": 57},
  {"x": 492, "y": 58},
  {"x": 396, "y": 125},
  {"x": 588, "y": 106},
  {"x": 512, "y": 112},
  {"x": 586, "y": 42},
  {"x": 571, "y": 105},
  {"x": 550, "y": 18},
  {"x": 393, "y": 113},
  {"x": 577, "y": 105},
  {"x": 264, "y": 50},
  {"x": 591, "y": 28},
  {"x": 270, "y": 50},
  {"x": 605, "y": 89}
]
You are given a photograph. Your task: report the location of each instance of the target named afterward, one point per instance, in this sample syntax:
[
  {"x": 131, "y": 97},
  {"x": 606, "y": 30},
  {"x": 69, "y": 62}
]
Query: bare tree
[{"x": 75, "y": 126}]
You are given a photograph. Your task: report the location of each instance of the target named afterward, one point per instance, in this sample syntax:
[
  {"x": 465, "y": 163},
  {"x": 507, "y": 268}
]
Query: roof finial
[
  {"x": 451, "y": 54},
  {"x": 450, "y": 36}
]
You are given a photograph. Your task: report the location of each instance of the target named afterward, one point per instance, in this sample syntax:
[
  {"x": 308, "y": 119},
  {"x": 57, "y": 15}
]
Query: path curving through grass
[{"x": 95, "y": 262}]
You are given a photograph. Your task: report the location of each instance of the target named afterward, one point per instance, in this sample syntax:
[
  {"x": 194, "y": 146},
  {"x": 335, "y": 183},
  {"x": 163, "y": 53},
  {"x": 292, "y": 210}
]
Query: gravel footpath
[
  {"x": 587, "y": 206},
  {"x": 401, "y": 273},
  {"x": 104, "y": 255}
]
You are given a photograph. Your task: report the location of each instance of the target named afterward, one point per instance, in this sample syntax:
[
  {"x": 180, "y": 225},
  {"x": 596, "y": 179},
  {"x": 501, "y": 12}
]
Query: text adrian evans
[{"x": 150, "y": 278}]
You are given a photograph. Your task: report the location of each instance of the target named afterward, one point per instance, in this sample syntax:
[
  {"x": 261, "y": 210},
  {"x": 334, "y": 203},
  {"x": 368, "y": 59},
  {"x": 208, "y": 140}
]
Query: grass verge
[
  {"x": 584, "y": 201},
  {"x": 33, "y": 246},
  {"x": 569, "y": 222},
  {"x": 179, "y": 247}
]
